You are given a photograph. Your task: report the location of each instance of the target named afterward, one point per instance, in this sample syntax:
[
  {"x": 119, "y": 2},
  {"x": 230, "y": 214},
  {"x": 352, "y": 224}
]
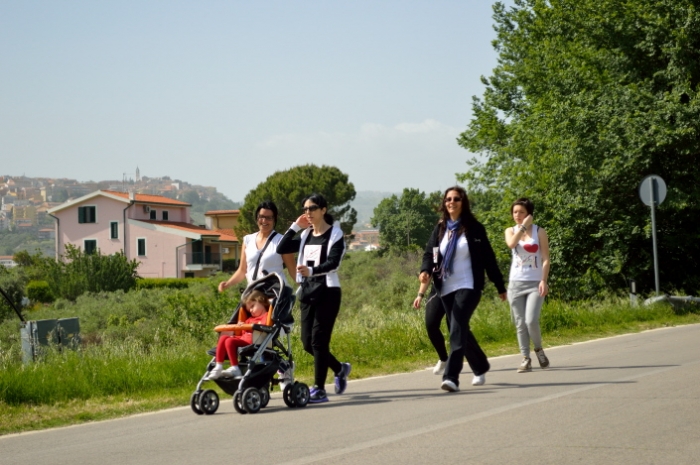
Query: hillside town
[{"x": 32, "y": 206}]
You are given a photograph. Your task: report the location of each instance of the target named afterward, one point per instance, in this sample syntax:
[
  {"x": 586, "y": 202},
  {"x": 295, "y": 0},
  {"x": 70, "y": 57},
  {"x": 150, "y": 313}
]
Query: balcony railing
[{"x": 203, "y": 258}]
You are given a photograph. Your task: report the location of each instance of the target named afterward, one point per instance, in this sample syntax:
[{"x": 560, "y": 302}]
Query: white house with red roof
[{"x": 153, "y": 229}]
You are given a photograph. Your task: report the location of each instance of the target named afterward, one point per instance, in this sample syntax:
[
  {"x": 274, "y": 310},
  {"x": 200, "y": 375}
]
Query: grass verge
[{"x": 116, "y": 379}]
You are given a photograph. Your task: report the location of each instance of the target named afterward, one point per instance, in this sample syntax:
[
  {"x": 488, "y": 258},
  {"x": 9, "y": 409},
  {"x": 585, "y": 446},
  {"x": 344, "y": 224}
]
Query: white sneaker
[
  {"x": 439, "y": 367},
  {"x": 449, "y": 386},
  {"x": 525, "y": 365},
  {"x": 479, "y": 380},
  {"x": 215, "y": 373},
  {"x": 232, "y": 372}
]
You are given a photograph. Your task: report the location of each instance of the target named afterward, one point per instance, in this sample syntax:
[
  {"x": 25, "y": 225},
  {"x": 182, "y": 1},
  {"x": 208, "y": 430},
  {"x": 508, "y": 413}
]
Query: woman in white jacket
[{"x": 321, "y": 248}]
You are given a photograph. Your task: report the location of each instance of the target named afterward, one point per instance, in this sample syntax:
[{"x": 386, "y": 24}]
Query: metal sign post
[{"x": 652, "y": 191}]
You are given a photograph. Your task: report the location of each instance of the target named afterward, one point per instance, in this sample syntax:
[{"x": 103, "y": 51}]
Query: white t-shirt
[
  {"x": 527, "y": 259},
  {"x": 462, "y": 276},
  {"x": 271, "y": 261}
]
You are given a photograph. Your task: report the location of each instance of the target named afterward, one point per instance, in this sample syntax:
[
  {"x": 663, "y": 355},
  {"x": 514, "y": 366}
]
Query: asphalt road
[{"x": 632, "y": 399}]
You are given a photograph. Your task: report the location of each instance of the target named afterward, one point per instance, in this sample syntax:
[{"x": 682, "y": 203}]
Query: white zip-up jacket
[{"x": 289, "y": 245}]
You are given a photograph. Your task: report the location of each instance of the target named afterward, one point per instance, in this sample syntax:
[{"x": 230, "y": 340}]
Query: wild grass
[{"x": 145, "y": 349}]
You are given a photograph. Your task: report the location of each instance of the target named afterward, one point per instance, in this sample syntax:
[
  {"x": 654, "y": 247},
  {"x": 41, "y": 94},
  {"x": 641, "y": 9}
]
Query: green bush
[
  {"x": 166, "y": 283},
  {"x": 77, "y": 273},
  {"x": 39, "y": 291},
  {"x": 13, "y": 283},
  {"x": 229, "y": 265}
]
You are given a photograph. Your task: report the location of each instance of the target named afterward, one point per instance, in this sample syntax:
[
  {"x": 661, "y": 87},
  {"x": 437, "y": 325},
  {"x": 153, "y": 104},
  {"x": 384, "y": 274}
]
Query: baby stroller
[{"x": 265, "y": 364}]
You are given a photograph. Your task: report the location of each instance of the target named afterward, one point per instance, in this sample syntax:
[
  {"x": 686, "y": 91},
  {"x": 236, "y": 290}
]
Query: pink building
[{"x": 153, "y": 229}]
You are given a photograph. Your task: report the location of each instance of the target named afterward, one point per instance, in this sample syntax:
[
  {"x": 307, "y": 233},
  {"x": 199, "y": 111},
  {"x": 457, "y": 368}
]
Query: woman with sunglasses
[
  {"x": 259, "y": 251},
  {"x": 457, "y": 255},
  {"x": 321, "y": 248}
]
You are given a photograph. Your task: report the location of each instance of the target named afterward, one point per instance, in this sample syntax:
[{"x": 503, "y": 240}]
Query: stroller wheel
[
  {"x": 287, "y": 396},
  {"x": 209, "y": 401},
  {"x": 251, "y": 400},
  {"x": 265, "y": 397},
  {"x": 194, "y": 403},
  {"x": 237, "y": 402},
  {"x": 300, "y": 394}
]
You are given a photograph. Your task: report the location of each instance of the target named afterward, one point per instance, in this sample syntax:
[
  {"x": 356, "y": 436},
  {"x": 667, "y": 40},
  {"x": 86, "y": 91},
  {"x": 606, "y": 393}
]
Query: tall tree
[
  {"x": 406, "y": 221},
  {"x": 588, "y": 98},
  {"x": 289, "y": 188}
]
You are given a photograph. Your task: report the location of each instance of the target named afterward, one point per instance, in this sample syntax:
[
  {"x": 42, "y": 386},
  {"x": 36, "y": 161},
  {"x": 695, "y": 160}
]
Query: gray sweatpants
[{"x": 525, "y": 307}]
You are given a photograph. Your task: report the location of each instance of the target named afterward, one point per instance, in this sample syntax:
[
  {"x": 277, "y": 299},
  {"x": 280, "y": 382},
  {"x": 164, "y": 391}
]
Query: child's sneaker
[
  {"x": 317, "y": 395},
  {"x": 525, "y": 365},
  {"x": 215, "y": 373},
  {"x": 542, "y": 358},
  {"x": 341, "y": 379},
  {"x": 284, "y": 377},
  {"x": 232, "y": 372},
  {"x": 439, "y": 367}
]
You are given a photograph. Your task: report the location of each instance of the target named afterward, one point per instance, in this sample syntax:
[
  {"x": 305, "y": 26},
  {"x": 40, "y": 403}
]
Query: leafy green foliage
[
  {"x": 288, "y": 189},
  {"x": 588, "y": 98},
  {"x": 12, "y": 282},
  {"x": 39, "y": 291},
  {"x": 406, "y": 221},
  {"x": 78, "y": 272},
  {"x": 166, "y": 283}
]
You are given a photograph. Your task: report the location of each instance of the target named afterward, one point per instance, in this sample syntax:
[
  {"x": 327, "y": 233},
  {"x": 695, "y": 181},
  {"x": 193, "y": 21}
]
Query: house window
[
  {"x": 114, "y": 230},
  {"x": 90, "y": 246},
  {"x": 141, "y": 246},
  {"x": 87, "y": 215},
  {"x": 153, "y": 214},
  {"x": 165, "y": 215}
]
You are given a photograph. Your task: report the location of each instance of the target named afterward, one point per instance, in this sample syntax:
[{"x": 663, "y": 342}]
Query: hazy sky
[{"x": 225, "y": 93}]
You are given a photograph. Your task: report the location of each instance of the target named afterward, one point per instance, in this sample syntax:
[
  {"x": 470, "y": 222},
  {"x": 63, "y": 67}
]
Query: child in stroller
[
  {"x": 257, "y": 305},
  {"x": 264, "y": 363}
]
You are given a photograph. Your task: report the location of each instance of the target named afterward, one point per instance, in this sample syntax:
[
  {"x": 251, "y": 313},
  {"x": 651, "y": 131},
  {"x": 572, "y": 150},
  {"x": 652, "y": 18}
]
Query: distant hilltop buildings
[{"x": 25, "y": 201}]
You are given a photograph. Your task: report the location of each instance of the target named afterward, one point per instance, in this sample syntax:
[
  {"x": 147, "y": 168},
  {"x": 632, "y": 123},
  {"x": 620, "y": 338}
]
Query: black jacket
[{"x": 481, "y": 252}]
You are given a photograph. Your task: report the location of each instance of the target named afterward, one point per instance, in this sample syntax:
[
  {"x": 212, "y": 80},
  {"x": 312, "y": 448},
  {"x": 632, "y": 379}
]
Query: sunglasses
[
  {"x": 311, "y": 208},
  {"x": 266, "y": 218},
  {"x": 453, "y": 199}
]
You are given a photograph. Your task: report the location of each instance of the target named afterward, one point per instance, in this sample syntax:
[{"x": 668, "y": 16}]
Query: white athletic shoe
[
  {"x": 439, "y": 367},
  {"x": 449, "y": 386},
  {"x": 232, "y": 372},
  {"x": 479, "y": 380},
  {"x": 215, "y": 373}
]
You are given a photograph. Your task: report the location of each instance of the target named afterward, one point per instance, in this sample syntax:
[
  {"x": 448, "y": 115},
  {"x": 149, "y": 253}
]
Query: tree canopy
[
  {"x": 406, "y": 221},
  {"x": 290, "y": 187},
  {"x": 588, "y": 98}
]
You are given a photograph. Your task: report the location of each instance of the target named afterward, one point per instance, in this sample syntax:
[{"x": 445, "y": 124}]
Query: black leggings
[
  {"x": 317, "y": 321},
  {"x": 460, "y": 306},
  {"x": 434, "y": 313}
]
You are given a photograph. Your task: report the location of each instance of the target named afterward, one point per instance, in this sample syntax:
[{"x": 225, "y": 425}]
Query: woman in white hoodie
[{"x": 321, "y": 248}]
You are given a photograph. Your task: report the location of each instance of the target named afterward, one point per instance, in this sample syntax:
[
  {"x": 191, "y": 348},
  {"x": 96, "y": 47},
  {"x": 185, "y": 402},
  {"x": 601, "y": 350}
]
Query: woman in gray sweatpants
[{"x": 527, "y": 285}]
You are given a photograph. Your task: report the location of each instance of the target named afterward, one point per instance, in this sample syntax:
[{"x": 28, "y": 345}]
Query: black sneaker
[
  {"x": 317, "y": 395},
  {"x": 341, "y": 379}
]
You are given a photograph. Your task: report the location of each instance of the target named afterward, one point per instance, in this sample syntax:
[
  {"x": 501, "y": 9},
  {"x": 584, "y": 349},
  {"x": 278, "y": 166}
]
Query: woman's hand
[
  {"x": 417, "y": 301},
  {"x": 527, "y": 221},
  {"x": 303, "y": 270},
  {"x": 303, "y": 222},
  {"x": 222, "y": 286},
  {"x": 424, "y": 277},
  {"x": 543, "y": 288},
  {"x": 503, "y": 296}
]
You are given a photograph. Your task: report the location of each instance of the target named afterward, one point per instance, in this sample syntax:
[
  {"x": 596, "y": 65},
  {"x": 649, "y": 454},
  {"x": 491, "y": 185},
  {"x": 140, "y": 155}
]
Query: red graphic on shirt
[{"x": 532, "y": 248}]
